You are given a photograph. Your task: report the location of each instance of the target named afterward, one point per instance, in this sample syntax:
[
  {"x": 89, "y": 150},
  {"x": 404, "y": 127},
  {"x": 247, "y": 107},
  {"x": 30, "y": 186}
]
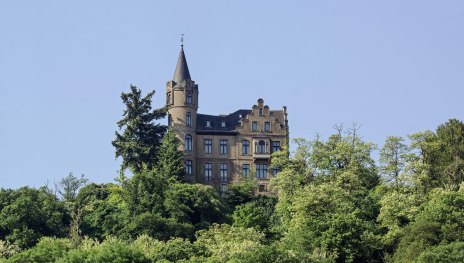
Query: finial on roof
[{"x": 182, "y": 72}]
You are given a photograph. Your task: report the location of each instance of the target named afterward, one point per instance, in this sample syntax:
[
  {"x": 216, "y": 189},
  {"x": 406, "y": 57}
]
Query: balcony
[{"x": 261, "y": 156}]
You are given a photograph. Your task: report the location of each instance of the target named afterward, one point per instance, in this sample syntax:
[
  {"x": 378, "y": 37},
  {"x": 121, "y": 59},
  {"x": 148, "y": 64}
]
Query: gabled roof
[{"x": 182, "y": 72}]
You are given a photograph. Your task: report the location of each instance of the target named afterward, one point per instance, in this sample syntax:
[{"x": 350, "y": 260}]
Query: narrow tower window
[
  {"x": 188, "y": 99},
  {"x": 188, "y": 119},
  {"x": 188, "y": 142}
]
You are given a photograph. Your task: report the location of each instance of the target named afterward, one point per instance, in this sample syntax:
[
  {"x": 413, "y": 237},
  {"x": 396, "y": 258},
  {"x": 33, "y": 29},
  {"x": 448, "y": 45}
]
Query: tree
[
  {"x": 393, "y": 159},
  {"x": 27, "y": 214},
  {"x": 104, "y": 213},
  {"x": 441, "y": 156},
  {"x": 439, "y": 222},
  {"x": 328, "y": 220},
  {"x": 170, "y": 160},
  {"x": 258, "y": 214},
  {"x": 195, "y": 204},
  {"x": 453, "y": 252},
  {"x": 139, "y": 142},
  {"x": 46, "y": 250},
  {"x": 243, "y": 191},
  {"x": 225, "y": 243},
  {"x": 173, "y": 250},
  {"x": 398, "y": 209},
  {"x": 69, "y": 186}
]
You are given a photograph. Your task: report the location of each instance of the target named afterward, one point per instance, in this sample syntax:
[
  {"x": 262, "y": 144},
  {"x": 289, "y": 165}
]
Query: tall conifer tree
[{"x": 139, "y": 142}]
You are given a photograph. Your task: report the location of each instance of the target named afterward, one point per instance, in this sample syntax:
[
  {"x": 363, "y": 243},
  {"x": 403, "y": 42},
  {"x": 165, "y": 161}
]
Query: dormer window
[
  {"x": 223, "y": 124},
  {"x": 188, "y": 99},
  {"x": 208, "y": 124},
  {"x": 260, "y": 111}
]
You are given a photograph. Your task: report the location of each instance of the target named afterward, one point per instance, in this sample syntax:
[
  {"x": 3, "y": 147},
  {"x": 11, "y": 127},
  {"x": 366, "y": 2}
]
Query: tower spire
[{"x": 182, "y": 72}]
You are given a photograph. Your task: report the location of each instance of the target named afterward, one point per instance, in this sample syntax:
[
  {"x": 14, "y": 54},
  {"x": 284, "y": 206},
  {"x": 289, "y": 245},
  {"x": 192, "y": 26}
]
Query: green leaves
[
  {"x": 27, "y": 214},
  {"x": 139, "y": 142}
]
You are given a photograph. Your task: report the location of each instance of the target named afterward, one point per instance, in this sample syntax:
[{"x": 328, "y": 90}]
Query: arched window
[
  {"x": 188, "y": 142},
  {"x": 188, "y": 119},
  {"x": 261, "y": 147},
  {"x": 260, "y": 111}
]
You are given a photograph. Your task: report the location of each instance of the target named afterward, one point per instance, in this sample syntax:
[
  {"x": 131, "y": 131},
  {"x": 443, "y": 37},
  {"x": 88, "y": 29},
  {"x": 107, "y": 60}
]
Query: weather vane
[{"x": 182, "y": 39}]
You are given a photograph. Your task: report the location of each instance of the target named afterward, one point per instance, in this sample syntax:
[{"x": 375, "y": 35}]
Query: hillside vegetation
[{"x": 333, "y": 203}]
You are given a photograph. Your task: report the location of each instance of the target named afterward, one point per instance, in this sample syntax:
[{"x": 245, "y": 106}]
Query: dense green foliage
[
  {"x": 332, "y": 203},
  {"x": 139, "y": 142}
]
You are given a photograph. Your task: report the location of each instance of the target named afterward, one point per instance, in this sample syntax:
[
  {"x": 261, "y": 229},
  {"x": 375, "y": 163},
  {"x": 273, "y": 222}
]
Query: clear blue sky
[{"x": 396, "y": 67}]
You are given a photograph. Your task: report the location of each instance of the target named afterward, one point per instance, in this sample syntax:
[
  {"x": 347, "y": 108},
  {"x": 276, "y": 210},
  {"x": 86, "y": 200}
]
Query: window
[
  {"x": 267, "y": 126},
  {"x": 275, "y": 146},
  {"x": 245, "y": 169},
  {"x": 188, "y": 99},
  {"x": 168, "y": 99},
  {"x": 223, "y": 146},
  {"x": 261, "y": 147},
  {"x": 245, "y": 147},
  {"x": 208, "y": 124},
  {"x": 169, "y": 120},
  {"x": 254, "y": 126},
  {"x": 208, "y": 145},
  {"x": 208, "y": 171},
  {"x": 223, "y": 172},
  {"x": 188, "y": 167},
  {"x": 260, "y": 111},
  {"x": 223, "y": 124},
  {"x": 188, "y": 142},
  {"x": 262, "y": 188},
  {"x": 275, "y": 171},
  {"x": 223, "y": 188},
  {"x": 188, "y": 119},
  {"x": 261, "y": 171}
]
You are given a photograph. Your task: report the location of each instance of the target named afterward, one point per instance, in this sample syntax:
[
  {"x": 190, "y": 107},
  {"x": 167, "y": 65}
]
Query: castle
[{"x": 218, "y": 150}]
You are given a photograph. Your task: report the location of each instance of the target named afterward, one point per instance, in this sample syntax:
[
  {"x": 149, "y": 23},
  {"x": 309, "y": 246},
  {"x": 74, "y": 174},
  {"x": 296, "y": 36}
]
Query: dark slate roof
[
  {"x": 182, "y": 71},
  {"x": 232, "y": 120}
]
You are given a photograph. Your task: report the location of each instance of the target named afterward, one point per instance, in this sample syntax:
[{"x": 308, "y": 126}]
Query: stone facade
[{"x": 220, "y": 149}]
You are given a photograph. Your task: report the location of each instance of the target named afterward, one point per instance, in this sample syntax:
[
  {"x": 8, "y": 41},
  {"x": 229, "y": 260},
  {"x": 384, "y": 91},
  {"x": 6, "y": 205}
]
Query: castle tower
[{"x": 182, "y": 102}]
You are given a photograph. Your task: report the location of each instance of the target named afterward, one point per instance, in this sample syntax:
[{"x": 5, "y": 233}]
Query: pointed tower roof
[{"x": 182, "y": 71}]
